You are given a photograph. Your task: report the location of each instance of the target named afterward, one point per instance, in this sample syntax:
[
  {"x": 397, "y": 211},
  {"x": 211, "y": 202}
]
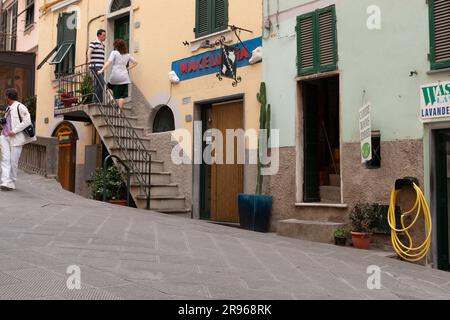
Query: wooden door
[
  {"x": 227, "y": 180},
  {"x": 66, "y": 170}
]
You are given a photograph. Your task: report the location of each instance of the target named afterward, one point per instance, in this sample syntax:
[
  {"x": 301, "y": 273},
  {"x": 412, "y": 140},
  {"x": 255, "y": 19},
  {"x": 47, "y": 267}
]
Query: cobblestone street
[{"x": 132, "y": 254}]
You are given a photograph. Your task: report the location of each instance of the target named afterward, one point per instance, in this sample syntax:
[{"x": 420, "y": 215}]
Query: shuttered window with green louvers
[
  {"x": 211, "y": 16},
  {"x": 439, "y": 33},
  {"x": 317, "y": 42}
]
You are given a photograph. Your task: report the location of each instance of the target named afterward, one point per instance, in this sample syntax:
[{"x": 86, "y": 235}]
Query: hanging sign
[
  {"x": 211, "y": 62},
  {"x": 435, "y": 101},
  {"x": 228, "y": 62},
  {"x": 365, "y": 127}
]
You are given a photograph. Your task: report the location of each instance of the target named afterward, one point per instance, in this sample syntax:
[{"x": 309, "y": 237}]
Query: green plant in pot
[
  {"x": 255, "y": 209},
  {"x": 363, "y": 218},
  {"x": 341, "y": 235},
  {"x": 110, "y": 183},
  {"x": 86, "y": 90}
]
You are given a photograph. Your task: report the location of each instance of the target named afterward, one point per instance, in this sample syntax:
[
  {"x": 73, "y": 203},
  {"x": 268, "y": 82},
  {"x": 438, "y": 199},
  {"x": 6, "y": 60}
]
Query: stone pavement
[{"x": 132, "y": 254}]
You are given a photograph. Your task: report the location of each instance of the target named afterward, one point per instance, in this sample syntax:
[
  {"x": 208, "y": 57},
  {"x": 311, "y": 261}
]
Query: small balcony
[{"x": 75, "y": 93}]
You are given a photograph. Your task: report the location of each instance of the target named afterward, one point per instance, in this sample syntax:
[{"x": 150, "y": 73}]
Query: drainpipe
[{"x": 1, "y": 23}]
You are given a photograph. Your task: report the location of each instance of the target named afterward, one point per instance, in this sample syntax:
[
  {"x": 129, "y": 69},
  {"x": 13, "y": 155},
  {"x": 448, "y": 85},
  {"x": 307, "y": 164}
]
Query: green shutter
[
  {"x": 203, "y": 18},
  {"x": 317, "y": 42},
  {"x": 305, "y": 44},
  {"x": 219, "y": 15},
  {"x": 67, "y": 34},
  {"x": 211, "y": 16},
  {"x": 439, "y": 12},
  {"x": 326, "y": 27}
]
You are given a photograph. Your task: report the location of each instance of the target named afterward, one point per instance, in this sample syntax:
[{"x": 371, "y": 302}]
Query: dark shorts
[{"x": 120, "y": 91}]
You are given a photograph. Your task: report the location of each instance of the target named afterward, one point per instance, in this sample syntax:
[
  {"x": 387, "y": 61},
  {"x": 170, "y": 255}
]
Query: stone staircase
[
  {"x": 165, "y": 194},
  {"x": 317, "y": 222}
]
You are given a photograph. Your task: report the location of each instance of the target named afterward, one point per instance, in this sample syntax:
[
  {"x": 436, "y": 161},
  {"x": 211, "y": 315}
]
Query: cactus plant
[{"x": 264, "y": 124}]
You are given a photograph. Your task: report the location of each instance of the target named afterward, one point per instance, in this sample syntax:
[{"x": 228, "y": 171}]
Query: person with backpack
[
  {"x": 121, "y": 62},
  {"x": 17, "y": 132}
]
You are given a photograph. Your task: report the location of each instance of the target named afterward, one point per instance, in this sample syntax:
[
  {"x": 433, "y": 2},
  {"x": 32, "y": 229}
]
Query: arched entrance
[
  {"x": 67, "y": 137},
  {"x": 164, "y": 120}
]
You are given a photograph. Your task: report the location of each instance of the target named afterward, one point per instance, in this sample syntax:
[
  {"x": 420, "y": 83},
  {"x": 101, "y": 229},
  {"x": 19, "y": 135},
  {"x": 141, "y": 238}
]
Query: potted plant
[
  {"x": 86, "y": 90},
  {"x": 108, "y": 183},
  {"x": 255, "y": 209},
  {"x": 341, "y": 235},
  {"x": 363, "y": 218}
]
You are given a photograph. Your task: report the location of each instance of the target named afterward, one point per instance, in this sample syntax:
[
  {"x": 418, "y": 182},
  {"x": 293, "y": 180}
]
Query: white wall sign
[
  {"x": 435, "y": 101},
  {"x": 365, "y": 127}
]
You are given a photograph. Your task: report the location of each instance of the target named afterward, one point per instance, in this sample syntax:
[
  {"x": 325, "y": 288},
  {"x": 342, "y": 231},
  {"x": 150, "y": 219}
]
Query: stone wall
[{"x": 399, "y": 159}]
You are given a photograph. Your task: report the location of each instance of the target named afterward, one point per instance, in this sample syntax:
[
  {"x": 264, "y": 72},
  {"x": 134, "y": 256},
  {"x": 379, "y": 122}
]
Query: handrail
[{"x": 78, "y": 88}]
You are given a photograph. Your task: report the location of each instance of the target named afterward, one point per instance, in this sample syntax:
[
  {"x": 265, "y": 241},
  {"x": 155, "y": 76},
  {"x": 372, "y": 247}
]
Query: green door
[
  {"x": 122, "y": 29},
  {"x": 443, "y": 197}
]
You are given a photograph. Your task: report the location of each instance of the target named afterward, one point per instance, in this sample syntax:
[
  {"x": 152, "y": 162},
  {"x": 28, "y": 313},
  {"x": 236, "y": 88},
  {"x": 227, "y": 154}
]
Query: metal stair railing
[{"x": 78, "y": 88}]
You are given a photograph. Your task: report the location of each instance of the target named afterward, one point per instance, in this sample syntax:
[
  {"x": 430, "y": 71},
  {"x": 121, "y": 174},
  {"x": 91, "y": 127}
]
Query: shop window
[
  {"x": 29, "y": 13},
  {"x": 64, "y": 59},
  {"x": 211, "y": 16},
  {"x": 164, "y": 120},
  {"x": 317, "y": 42},
  {"x": 120, "y": 4},
  {"x": 439, "y": 33}
]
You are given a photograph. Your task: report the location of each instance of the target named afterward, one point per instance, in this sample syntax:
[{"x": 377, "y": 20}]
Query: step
[
  {"x": 335, "y": 180},
  {"x": 159, "y": 203},
  {"x": 144, "y": 139},
  {"x": 125, "y": 107},
  {"x": 315, "y": 231},
  {"x": 115, "y": 148},
  {"x": 330, "y": 194},
  {"x": 131, "y": 119},
  {"x": 167, "y": 190},
  {"x": 157, "y": 178},
  {"x": 138, "y": 129},
  {"x": 157, "y": 165}
]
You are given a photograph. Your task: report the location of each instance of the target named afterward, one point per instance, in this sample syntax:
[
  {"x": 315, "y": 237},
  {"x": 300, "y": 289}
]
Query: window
[
  {"x": 29, "y": 13},
  {"x": 439, "y": 34},
  {"x": 164, "y": 120},
  {"x": 9, "y": 28},
  {"x": 119, "y": 5},
  {"x": 211, "y": 17},
  {"x": 64, "y": 59},
  {"x": 317, "y": 42}
]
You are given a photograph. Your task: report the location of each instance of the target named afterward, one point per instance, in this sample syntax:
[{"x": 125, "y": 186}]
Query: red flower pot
[{"x": 361, "y": 240}]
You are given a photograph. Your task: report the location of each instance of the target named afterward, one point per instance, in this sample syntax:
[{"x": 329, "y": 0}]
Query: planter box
[{"x": 255, "y": 212}]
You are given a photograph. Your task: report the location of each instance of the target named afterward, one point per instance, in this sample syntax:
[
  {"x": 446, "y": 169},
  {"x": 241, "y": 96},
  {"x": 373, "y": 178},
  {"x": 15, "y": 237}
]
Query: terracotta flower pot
[
  {"x": 122, "y": 203},
  {"x": 361, "y": 240}
]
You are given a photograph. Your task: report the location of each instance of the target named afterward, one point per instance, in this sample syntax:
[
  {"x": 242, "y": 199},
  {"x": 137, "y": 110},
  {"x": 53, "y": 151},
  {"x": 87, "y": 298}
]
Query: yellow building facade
[{"x": 163, "y": 36}]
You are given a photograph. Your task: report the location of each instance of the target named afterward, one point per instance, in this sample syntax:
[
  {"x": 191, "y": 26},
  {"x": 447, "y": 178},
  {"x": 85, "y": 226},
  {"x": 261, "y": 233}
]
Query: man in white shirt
[{"x": 13, "y": 138}]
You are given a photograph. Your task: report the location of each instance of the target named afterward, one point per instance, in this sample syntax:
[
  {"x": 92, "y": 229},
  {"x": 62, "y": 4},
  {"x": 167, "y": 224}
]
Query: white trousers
[{"x": 10, "y": 162}]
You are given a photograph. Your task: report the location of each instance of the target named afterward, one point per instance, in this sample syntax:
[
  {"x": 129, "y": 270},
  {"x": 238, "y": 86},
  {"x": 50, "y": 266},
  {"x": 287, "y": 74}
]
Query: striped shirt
[{"x": 98, "y": 54}]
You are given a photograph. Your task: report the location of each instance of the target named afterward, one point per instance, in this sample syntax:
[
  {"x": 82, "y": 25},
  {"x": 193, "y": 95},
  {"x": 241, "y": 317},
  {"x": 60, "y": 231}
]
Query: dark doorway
[
  {"x": 321, "y": 138},
  {"x": 122, "y": 29},
  {"x": 443, "y": 197}
]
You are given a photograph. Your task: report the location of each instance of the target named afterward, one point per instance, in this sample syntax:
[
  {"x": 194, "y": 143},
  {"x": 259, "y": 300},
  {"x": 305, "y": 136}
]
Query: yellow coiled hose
[{"x": 409, "y": 252}]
